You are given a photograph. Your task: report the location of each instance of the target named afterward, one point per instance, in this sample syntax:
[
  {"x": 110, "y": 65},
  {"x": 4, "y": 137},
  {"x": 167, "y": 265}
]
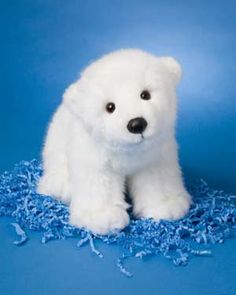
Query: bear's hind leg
[{"x": 55, "y": 179}]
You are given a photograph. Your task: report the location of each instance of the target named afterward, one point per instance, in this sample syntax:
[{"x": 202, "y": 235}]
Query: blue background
[{"x": 44, "y": 46}]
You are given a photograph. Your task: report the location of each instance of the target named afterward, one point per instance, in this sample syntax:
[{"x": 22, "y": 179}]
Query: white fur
[{"x": 89, "y": 154}]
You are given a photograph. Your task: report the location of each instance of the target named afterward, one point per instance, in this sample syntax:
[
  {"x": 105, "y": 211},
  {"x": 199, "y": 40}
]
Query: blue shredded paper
[{"x": 211, "y": 220}]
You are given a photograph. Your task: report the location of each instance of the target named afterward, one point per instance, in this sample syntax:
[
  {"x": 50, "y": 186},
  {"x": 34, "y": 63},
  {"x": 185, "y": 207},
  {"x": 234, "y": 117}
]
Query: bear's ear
[
  {"x": 173, "y": 68},
  {"x": 70, "y": 97}
]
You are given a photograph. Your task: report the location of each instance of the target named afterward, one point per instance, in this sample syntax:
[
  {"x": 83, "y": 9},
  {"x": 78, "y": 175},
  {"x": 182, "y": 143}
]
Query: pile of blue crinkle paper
[{"x": 211, "y": 220}]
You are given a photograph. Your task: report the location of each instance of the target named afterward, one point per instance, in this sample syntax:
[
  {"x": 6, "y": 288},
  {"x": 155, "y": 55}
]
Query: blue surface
[
  {"x": 60, "y": 268},
  {"x": 44, "y": 46}
]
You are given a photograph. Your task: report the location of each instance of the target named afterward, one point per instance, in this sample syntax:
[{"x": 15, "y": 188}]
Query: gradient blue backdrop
[{"x": 44, "y": 45}]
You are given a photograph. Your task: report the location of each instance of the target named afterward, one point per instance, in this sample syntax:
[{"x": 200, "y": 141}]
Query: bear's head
[{"x": 126, "y": 98}]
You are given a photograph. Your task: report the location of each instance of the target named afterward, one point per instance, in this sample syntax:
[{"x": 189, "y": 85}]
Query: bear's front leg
[
  {"x": 97, "y": 200},
  {"x": 158, "y": 191}
]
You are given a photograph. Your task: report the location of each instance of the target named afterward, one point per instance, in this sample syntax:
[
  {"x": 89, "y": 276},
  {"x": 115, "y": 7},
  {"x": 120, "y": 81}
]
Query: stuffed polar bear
[{"x": 115, "y": 131}]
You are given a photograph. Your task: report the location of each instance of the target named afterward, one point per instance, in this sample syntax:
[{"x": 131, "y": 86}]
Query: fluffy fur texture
[{"x": 90, "y": 156}]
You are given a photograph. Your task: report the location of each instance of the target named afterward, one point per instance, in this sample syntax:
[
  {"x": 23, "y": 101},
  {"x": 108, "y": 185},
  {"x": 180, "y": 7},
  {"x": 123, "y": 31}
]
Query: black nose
[{"x": 137, "y": 125}]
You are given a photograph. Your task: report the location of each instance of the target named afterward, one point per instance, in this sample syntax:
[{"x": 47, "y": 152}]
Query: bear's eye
[
  {"x": 145, "y": 95},
  {"x": 110, "y": 107}
]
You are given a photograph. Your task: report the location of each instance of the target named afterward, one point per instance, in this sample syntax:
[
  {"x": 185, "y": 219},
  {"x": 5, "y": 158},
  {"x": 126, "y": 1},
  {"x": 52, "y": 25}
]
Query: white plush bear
[{"x": 115, "y": 129}]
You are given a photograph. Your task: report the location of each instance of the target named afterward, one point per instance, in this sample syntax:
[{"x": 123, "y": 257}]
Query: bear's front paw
[
  {"x": 100, "y": 221},
  {"x": 171, "y": 208}
]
